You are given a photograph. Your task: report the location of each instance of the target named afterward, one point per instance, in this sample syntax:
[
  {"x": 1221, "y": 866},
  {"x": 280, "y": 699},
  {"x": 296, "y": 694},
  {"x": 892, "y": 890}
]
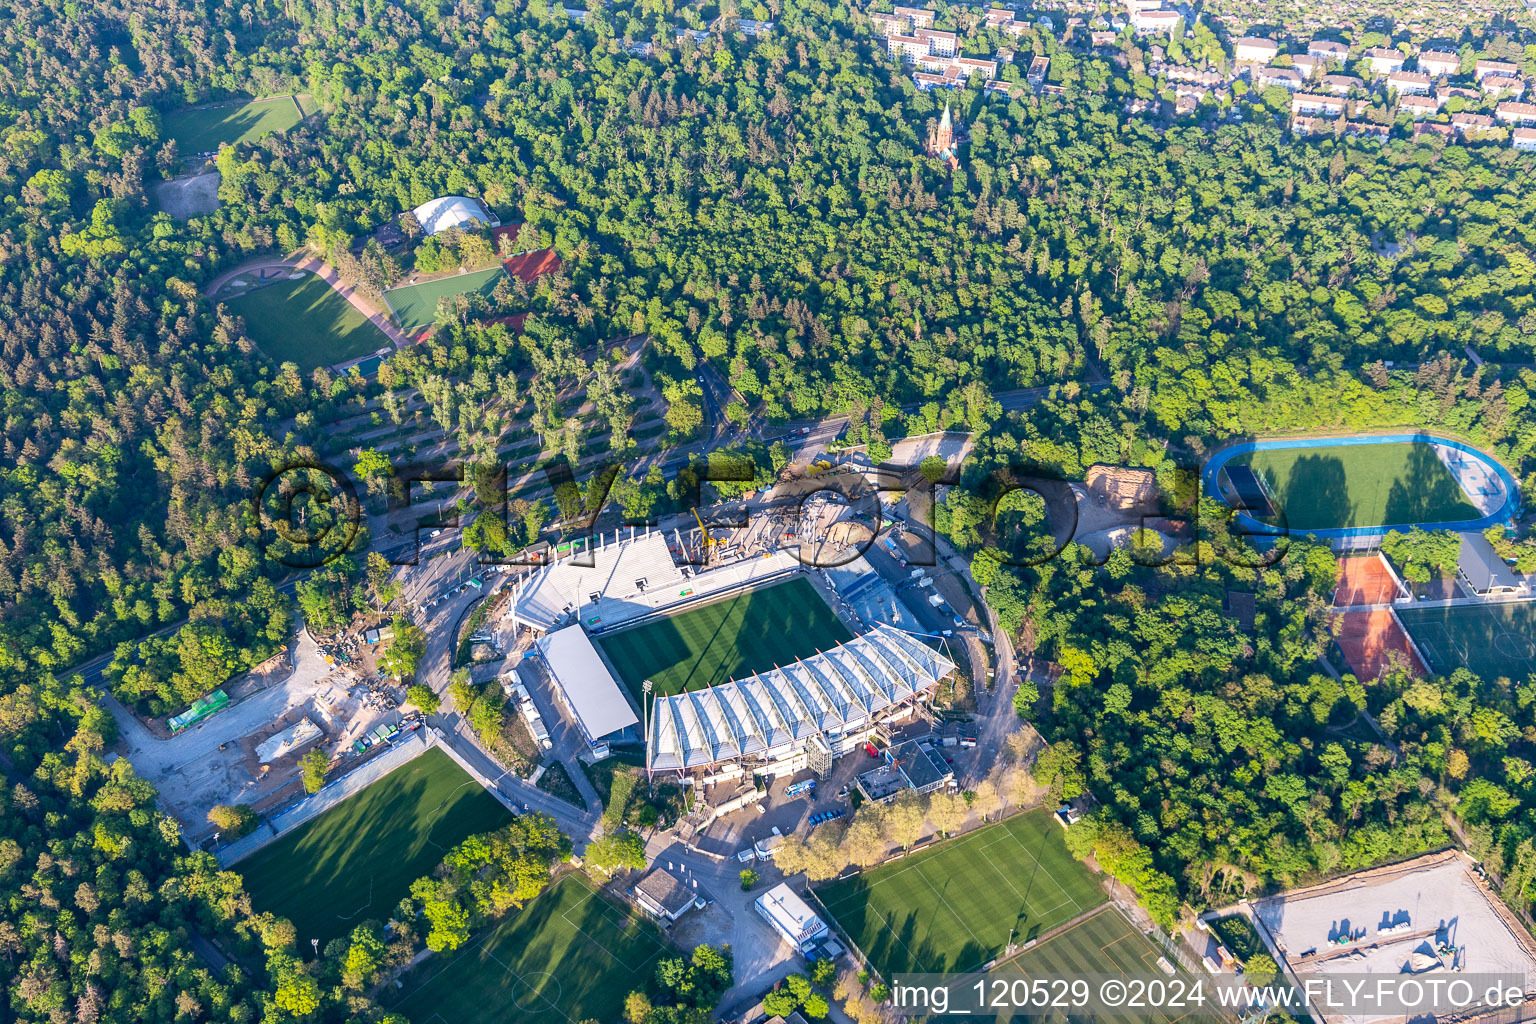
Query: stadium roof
[
  {"x": 616, "y": 570},
  {"x": 591, "y": 692},
  {"x": 768, "y": 714},
  {"x": 446, "y": 212}
]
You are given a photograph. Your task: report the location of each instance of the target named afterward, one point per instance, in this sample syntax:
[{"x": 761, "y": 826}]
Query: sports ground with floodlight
[
  {"x": 570, "y": 955},
  {"x": 953, "y": 907},
  {"x": 1491, "y": 639},
  {"x": 1105, "y": 943},
  {"x": 356, "y": 861},
  {"x": 728, "y": 639}
]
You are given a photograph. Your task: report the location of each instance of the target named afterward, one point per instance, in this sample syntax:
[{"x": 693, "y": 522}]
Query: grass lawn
[
  {"x": 726, "y": 640},
  {"x": 1104, "y": 944},
  {"x": 306, "y": 322},
  {"x": 358, "y": 859},
  {"x": 1490, "y": 639},
  {"x": 1390, "y": 484},
  {"x": 415, "y": 305},
  {"x": 205, "y": 129},
  {"x": 569, "y": 955},
  {"x": 952, "y": 908}
]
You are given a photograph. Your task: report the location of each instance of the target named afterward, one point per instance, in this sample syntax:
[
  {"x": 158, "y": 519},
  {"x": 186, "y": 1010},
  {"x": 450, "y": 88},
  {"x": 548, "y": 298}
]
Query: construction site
[{"x": 1431, "y": 915}]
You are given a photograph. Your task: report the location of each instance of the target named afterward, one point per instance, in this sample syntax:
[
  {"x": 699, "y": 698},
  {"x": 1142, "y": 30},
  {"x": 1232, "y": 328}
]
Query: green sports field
[
  {"x": 570, "y": 955},
  {"x": 1496, "y": 639},
  {"x": 1103, "y": 944},
  {"x": 952, "y": 908},
  {"x": 305, "y": 322},
  {"x": 727, "y": 640},
  {"x": 1389, "y": 484},
  {"x": 358, "y": 859},
  {"x": 415, "y": 305},
  {"x": 205, "y": 129}
]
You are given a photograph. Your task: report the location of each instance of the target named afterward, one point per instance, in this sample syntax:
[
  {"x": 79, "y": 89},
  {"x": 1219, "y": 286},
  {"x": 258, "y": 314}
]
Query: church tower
[{"x": 942, "y": 142}]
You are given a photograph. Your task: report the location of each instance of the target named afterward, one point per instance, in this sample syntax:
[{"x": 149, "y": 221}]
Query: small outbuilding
[
  {"x": 1483, "y": 571},
  {"x": 663, "y": 895}
]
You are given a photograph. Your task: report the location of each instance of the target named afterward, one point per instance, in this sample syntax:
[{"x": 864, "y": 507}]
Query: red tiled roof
[{"x": 528, "y": 267}]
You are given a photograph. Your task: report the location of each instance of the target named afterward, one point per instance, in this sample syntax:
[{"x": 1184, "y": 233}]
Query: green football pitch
[
  {"x": 1102, "y": 944},
  {"x": 305, "y": 322},
  {"x": 1389, "y": 484},
  {"x": 356, "y": 861},
  {"x": 1492, "y": 640},
  {"x": 570, "y": 955},
  {"x": 205, "y": 129},
  {"x": 727, "y": 640},
  {"x": 953, "y": 908},
  {"x": 415, "y": 305}
]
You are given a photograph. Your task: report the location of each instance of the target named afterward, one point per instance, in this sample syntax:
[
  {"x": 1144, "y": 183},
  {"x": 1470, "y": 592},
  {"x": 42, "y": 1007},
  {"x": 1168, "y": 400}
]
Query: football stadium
[{"x": 742, "y": 665}]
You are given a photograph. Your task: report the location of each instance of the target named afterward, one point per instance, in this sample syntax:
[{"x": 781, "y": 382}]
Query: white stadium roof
[
  {"x": 591, "y": 692},
  {"x": 769, "y": 714},
  {"x": 620, "y": 570},
  {"x": 446, "y": 212}
]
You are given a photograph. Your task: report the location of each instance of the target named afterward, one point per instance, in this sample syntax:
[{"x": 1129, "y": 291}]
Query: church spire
[{"x": 945, "y": 125}]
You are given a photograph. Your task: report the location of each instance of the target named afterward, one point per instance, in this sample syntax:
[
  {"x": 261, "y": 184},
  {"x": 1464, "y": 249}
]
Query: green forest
[{"x": 762, "y": 206}]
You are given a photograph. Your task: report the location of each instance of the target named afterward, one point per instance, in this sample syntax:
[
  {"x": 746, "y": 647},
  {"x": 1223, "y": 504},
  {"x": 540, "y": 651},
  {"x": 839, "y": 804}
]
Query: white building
[
  {"x": 1439, "y": 63},
  {"x": 791, "y": 917},
  {"x": 1256, "y": 48},
  {"x": 446, "y": 212}
]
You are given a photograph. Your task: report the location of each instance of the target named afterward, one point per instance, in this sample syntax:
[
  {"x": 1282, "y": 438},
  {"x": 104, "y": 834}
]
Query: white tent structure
[
  {"x": 446, "y": 212},
  {"x": 830, "y": 701}
]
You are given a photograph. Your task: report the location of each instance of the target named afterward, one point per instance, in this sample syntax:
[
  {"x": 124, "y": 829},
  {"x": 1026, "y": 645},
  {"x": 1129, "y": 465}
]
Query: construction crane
[{"x": 708, "y": 540}]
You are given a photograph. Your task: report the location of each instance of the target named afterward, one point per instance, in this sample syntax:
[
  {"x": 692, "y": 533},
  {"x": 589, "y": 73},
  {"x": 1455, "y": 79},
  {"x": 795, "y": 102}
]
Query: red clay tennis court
[
  {"x": 1370, "y": 640},
  {"x": 1365, "y": 579}
]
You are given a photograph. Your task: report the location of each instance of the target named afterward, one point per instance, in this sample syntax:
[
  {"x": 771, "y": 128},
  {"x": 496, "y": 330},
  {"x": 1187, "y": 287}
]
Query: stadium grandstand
[
  {"x": 802, "y": 715},
  {"x": 627, "y": 578},
  {"x": 586, "y": 687}
]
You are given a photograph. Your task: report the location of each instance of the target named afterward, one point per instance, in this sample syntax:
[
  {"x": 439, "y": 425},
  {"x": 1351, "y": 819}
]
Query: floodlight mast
[{"x": 645, "y": 692}]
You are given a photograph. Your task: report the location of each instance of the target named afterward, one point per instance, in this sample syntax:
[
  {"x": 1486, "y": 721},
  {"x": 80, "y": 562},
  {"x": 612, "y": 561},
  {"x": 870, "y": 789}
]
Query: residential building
[
  {"x": 1311, "y": 126},
  {"x": 1103, "y": 38},
  {"x": 1328, "y": 49},
  {"x": 1423, "y": 128},
  {"x": 1513, "y": 112},
  {"x": 1439, "y": 63},
  {"x": 1418, "y": 106},
  {"x": 1502, "y": 85},
  {"x": 1410, "y": 83},
  {"x": 1185, "y": 73},
  {"x": 1471, "y": 125},
  {"x": 943, "y": 44},
  {"x": 1285, "y": 78},
  {"x": 1483, "y": 68},
  {"x": 1256, "y": 48},
  {"x": 1368, "y": 130},
  {"x": 887, "y": 25},
  {"x": 907, "y": 48},
  {"x": 998, "y": 87},
  {"x": 1341, "y": 85},
  {"x": 917, "y": 17},
  {"x": 1038, "y": 67},
  {"x": 1151, "y": 23},
  {"x": 1384, "y": 60},
  {"x": 1307, "y": 64},
  {"x": 1523, "y": 139},
  {"x": 1312, "y": 104}
]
